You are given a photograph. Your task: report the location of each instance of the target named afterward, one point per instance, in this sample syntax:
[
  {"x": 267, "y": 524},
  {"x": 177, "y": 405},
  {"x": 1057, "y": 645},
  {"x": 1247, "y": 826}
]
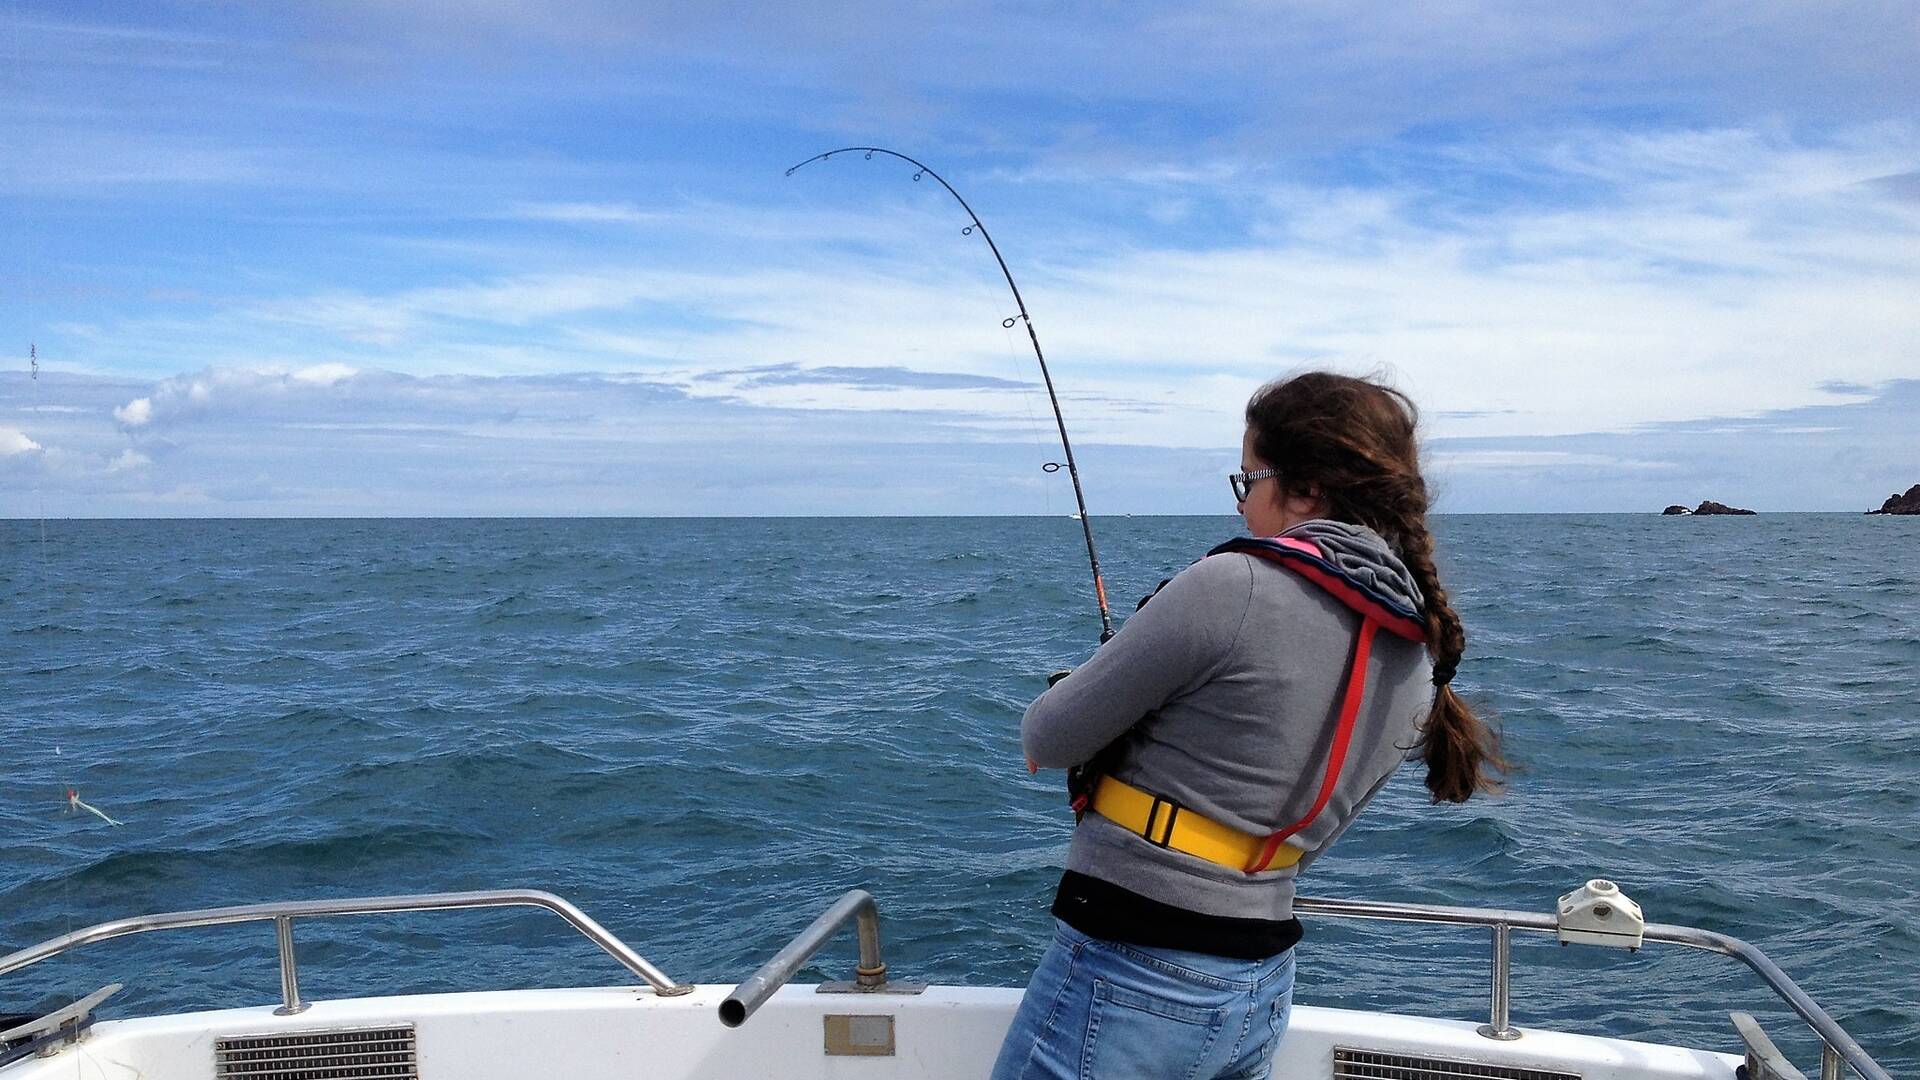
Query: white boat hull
[{"x": 946, "y": 1033}]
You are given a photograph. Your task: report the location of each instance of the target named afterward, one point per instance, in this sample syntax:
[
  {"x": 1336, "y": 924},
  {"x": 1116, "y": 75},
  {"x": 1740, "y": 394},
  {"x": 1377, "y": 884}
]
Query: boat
[{"x": 871, "y": 1025}]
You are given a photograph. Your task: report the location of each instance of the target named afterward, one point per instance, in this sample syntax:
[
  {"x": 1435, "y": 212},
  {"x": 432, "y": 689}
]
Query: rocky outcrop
[
  {"x": 1675, "y": 510},
  {"x": 1711, "y": 507},
  {"x": 1901, "y": 504}
]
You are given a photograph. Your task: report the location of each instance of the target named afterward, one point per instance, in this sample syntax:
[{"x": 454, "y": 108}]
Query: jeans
[{"x": 1106, "y": 1010}]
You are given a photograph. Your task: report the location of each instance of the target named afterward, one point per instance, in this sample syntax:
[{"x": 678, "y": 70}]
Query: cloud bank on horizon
[{"x": 420, "y": 259}]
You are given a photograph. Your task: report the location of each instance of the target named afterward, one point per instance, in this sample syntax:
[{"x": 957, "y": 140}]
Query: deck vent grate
[
  {"x": 1351, "y": 1064},
  {"x": 383, "y": 1053}
]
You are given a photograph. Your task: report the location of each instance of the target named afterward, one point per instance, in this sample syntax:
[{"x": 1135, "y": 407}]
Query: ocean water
[{"x": 701, "y": 731}]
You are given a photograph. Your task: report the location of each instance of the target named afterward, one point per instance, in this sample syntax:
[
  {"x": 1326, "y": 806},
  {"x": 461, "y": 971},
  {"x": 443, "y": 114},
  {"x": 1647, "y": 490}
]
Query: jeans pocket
[
  {"x": 1282, "y": 1013},
  {"x": 1137, "y": 1036}
]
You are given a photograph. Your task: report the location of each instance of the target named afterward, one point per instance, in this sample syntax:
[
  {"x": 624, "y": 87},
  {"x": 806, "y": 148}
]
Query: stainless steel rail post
[
  {"x": 1497, "y": 1026},
  {"x": 289, "y": 968},
  {"x": 1829, "y": 1063},
  {"x": 870, "y": 977}
]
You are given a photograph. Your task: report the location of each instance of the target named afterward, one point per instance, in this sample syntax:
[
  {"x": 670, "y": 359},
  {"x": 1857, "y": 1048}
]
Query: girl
[{"x": 1227, "y": 736}]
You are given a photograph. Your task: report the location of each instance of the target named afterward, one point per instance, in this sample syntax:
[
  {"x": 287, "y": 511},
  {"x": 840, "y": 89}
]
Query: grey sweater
[{"x": 1224, "y": 689}]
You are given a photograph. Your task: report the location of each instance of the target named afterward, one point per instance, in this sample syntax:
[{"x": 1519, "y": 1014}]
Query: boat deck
[
  {"x": 946, "y": 1033},
  {"x": 869, "y": 1026}
]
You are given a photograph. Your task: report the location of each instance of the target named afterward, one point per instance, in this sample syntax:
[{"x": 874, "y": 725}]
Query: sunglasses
[{"x": 1242, "y": 482}]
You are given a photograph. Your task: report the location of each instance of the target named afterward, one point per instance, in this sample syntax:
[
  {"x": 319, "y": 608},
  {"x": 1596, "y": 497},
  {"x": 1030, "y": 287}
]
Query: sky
[{"x": 504, "y": 258}]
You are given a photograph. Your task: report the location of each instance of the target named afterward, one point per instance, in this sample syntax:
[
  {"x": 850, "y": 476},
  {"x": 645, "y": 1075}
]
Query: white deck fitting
[{"x": 948, "y": 1033}]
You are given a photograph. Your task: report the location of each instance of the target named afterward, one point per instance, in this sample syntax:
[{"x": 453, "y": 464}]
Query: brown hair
[{"x": 1351, "y": 442}]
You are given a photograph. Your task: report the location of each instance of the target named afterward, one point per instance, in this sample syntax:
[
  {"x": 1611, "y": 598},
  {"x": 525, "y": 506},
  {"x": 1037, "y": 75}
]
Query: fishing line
[
  {"x": 1066, "y": 445},
  {"x": 1035, "y": 433},
  {"x": 1034, "y": 430},
  {"x": 25, "y": 262},
  {"x": 73, "y": 803}
]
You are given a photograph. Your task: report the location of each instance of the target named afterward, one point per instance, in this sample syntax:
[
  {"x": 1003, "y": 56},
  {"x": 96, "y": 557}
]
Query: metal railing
[
  {"x": 283, "y": 915},
  {"x": 1836, "y": 1044},
  {"x": 870, "y": 976}
]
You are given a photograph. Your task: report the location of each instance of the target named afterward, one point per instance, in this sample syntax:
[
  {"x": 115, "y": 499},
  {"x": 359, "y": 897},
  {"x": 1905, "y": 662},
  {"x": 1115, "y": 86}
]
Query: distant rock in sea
[
  {"x": 1711, "y": 507},
  {"x": 1901, "y": 504},
  {"x": 1675, "y": 510}
]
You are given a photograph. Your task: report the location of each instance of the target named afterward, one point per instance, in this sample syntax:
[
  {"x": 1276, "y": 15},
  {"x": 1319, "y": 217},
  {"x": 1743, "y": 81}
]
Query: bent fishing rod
[{"x": 1073, "y": 472}]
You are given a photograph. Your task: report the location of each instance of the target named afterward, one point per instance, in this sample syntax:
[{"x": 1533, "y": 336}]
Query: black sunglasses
[{"x": 1242, "y": 482}]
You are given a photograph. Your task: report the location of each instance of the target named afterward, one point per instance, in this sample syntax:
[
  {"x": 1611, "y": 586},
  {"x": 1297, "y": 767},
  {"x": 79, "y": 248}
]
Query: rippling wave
[{"x": 701, "y": 731}]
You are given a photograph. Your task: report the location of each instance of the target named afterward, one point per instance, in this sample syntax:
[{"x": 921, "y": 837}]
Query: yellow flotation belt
[{"x": 1165, "y": 823}]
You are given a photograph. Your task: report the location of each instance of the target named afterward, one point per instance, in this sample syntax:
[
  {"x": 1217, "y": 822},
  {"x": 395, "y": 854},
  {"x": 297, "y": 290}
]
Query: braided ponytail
[
  {"x": 1351, "y": 442},
  {"x": 1459, "y": 748}
]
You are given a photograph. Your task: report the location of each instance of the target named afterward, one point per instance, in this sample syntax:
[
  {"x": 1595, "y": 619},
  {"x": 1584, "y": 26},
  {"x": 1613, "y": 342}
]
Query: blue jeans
[{"x": 1106, "y": 1010}]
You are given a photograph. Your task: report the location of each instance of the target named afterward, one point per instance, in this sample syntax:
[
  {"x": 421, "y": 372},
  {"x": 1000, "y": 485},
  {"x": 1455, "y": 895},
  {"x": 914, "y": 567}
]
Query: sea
[{"x": 702, "y": 731}]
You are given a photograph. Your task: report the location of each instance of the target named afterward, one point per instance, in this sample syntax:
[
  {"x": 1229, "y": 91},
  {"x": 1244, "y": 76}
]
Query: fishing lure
[
  {"x": 74, "y": 803},
  {"x": 1073, "y": 473}
]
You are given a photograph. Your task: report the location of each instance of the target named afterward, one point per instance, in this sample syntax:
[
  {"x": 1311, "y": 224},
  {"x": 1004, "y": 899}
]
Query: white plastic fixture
[{"x": 1598, "y": 913}]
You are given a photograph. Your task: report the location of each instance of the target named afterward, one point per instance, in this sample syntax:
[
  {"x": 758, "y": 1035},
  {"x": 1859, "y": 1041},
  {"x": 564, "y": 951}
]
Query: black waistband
[{"x": 1104, "y": 910}]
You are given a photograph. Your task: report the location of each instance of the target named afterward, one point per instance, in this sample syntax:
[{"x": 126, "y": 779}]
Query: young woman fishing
[{"x": 1227, "y": 737}]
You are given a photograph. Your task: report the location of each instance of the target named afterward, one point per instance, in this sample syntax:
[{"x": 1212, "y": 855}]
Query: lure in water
[
  {"x": 74, "y": 803},
  {"x": 1086, "y": 526}
]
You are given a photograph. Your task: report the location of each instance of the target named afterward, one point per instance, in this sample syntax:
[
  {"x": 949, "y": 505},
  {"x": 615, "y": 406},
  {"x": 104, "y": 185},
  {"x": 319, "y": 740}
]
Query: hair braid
[
  {"x": 1461, "y": 750},
  {"x": 1446, "y": 638},
  {"x": 1351, "y": 441}
]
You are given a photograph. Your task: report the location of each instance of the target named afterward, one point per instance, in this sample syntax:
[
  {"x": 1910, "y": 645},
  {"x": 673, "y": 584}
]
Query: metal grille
[
  {"x": 1351, "y": 1064},
  {"x": 385, "y": 1053}
]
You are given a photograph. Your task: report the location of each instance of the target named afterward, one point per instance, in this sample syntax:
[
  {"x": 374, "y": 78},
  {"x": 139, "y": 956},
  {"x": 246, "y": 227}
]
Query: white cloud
[
  {"x": 1692, "y": 271},
  {"x": 1540, "y": 220},
  {"x": 591, "y": 213},
  {"x": 1521, "y": 283},
  {"x": 1463, "y": 460},
  {"x": 15, "y": 442},
  {"x": 317, "y": 375},
  {"x": 135, "y": 413},
  {"x": 1262, "y": 76},
  {"x": 311, "y": 391},
  {"x": 384, "y": 443}
]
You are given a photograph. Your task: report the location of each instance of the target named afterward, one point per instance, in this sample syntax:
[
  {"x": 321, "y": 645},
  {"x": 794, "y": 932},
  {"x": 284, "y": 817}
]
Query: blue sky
[{"x": 494, "y": 258}]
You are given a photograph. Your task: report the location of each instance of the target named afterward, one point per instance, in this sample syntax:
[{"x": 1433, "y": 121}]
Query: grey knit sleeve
[{"x": 1165, "y": 649}]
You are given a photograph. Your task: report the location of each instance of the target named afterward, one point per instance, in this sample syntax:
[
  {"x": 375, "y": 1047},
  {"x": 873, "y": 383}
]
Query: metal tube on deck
[
  {"x": 775, "y": 973},
  {"x": 872, "y": 972}
]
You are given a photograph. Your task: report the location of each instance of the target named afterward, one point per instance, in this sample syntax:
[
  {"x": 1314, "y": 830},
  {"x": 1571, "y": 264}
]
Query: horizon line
[{"x": 873, "y": 517}]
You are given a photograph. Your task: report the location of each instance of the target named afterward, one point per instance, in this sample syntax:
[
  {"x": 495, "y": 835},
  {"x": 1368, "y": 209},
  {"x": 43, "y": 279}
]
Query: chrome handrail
[
  {"x": 1836, "y": 1044},
  {"x": 283, "y": 914},
  {"x": 1834, "y": 1039},
  {"x": 870, "y": 975}
]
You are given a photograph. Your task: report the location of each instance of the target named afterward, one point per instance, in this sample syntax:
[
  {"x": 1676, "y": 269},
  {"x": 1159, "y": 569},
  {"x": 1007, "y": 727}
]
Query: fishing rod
[{"x": 1073, "y": 472}]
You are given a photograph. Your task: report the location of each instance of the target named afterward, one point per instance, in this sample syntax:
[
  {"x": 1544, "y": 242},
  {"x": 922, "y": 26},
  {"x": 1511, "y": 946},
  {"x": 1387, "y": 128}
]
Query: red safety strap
[{"x": 1356, "y": 691}]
